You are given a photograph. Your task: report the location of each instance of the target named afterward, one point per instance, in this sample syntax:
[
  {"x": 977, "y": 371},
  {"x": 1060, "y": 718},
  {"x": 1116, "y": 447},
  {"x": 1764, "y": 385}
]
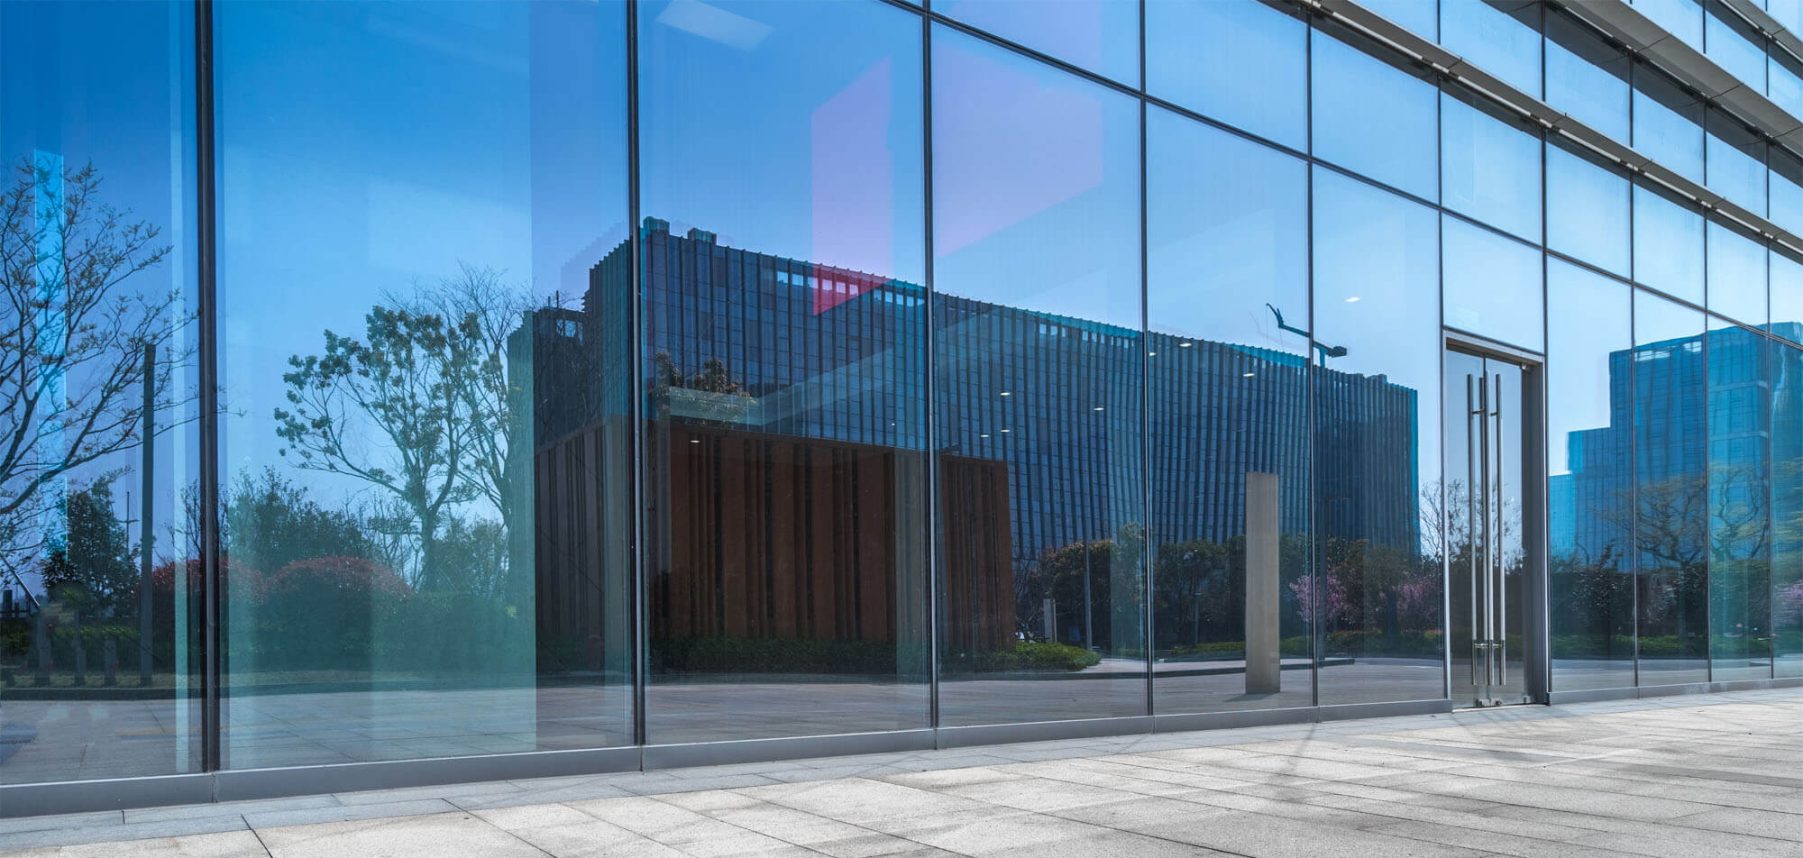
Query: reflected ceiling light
[
  {"x": 984, "y": 435},
  {"x": 1151, "y": 354},
  {"x": 1185, "y": 344},
  {"x": 1097, "y": 408},
  {"x": 1353, "y": 300},
  {"x": 694, "y": 440},
  {"x": 1247, "y": 374},
  {"x": 1006, "y": 431},
  {"x": 1007, "y": 393}
]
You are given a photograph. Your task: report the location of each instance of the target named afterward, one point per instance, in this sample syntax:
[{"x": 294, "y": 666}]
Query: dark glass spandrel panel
[
  {"x": 1501, "y": 37},
  {"x": 1737, "y": 277},
  {"x": 1739, "y": 502},
  {"x": 1493, "y": 285},
  {"x": 1590, "y": 478},
  {"x": 783, "y": 361},
  {"x": 1420, "y": 16},
  {"x": 424, "y": 333},
  {"x": 1787, "y": 507},
  {"x": 1585, "y": 76},
  {"x": 1681, "y": 18},
  {"x": 1668, "y": 244},
  {"x": 1489, "y": 167},
  {"x": 1736, "y": 163},
  {"x": 1668, "y": 123},
  {"x": 1101, "y": 36},
  {"x": 1038, "y": 361},
  {"x": 1734, "y": 45},
  {"x": 1372, "y": 117},
  {"x": 1671, "y": 486},
  {"x": 1379, "y": 585},
  {"x": 1786, "y": 296},
  {"x": 1587, "y": 210},
  {"x": 1242, "y": 62},
  {"x": 1784, "y": 81},
  {"x": 1227, "y": 296},
  {"x": 99, "y": 382}
]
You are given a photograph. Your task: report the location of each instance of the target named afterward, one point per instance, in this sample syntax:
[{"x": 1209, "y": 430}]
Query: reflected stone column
[{"x": 1264, "y": 660}]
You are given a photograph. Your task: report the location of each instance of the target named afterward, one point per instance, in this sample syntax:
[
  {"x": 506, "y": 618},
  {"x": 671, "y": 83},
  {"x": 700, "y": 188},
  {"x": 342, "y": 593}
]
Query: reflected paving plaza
[{"x": 402, "y": 393}]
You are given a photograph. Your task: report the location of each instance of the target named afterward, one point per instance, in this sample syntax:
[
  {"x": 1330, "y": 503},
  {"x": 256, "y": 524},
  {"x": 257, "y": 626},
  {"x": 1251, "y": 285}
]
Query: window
[
  {"x": 1587, "y": 208},
  {"x": 1668, "y": 123},
  {"x": 426, "y": 556},
  {"x": 1377, "y": 406},
  {"x": 1668, "y": 244},
  {"x": 1737, "y": 281},
  {"x": 1372, "y": 117},
  {"x": 1585, "y": 76},
  {"x": 1099, "y": 35},
  {"x": 1590, "y": 479},
  {"x": 1500, "y": 38},
  {"x": 1239, "y": 61},
  {"x": 1490, "y": 167},
  {"x": 1227, "y": 443},
  {"x": 1493, "y": 285},
  {"x": 1042, "y": 534},
  {"x": 101, "y": 582}
]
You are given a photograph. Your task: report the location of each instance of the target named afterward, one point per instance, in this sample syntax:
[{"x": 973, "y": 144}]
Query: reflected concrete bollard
[{"x": 1264, "y": 656}]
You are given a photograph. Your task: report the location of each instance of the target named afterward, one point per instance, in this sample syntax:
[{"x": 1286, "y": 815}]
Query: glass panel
[
  {"x": 1099, "y": 35},
  {"x": 425, "y": 460},
  {"x": 1681, "y": 18},
  {"x": 1490, "y": 168},
  {"x": 1736, "y": 162},
  {"x": 1671, "y": 484},
  {"x": 1787, "y": 507},
  {"x": 1668, "y": 123},
  {"x": 1740, "y": 493},
  {"x": 1785, "y": 188},
  {"x": 1787, "y": 297},
  {"x": 1227, "y": 295},
  {"x": 1668, "y": 244},
  {"x": 1417, "y": 15},
  {"x": 1372, "y": 117},
  {"x": 1734, "y": 45},
  {"x": 1038, "y": 359},
  {"x": 1787, "y": 12},
  {"x": 1501, "y": 37},
  {"x": 1585, "y": 76},
  {"x": 1492, "y": 285},
  {"x": 1239, "y": 61},
  {"x": 1377, "y": 443},
  {"x": 99, "y": 565},
  {"x": 1737, "y": 284},
  {"x": 784, "y": 348},
  {"x": 1587, "y": 210},
  {"x": 1590, "y": 478}
]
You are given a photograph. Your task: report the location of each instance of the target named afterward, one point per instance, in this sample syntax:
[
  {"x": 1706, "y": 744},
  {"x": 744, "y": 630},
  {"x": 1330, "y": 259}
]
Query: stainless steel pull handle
[
  {"x": 1472, "y": 418},
  {"x": 1500, "y": 557}
]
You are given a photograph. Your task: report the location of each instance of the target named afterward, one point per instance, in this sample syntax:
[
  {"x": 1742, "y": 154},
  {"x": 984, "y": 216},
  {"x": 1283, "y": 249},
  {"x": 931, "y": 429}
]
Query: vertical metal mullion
[
  {"x": 931, "y": 381},
  {"x": 639, "y": 592},
  {"x": 1310, "y": 413},
  {"x": 207, "y": 273},
  {"x": 1144, "y": 412}
]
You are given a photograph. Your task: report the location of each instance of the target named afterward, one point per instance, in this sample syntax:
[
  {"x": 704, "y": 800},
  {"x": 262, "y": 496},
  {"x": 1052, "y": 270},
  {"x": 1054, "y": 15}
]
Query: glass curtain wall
[
  {"x": 1739, "y": 498},
  {"x": 1671, "y": 487},
  {"x": 424, "y": 295},
  {"x": 100, "y": 574},
  {"x": 1379, "y": 585},
  {"x": 1039, "y": 365},
  {"x": 1590, "y": 489},
  {"x": 1227, "y": 442},
  {"x": 783, "y": 364}
]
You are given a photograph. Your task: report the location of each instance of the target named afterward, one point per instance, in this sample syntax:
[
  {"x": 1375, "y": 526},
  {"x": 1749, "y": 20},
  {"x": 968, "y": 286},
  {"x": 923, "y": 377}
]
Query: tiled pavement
[{"x": 1687, "y": 777}]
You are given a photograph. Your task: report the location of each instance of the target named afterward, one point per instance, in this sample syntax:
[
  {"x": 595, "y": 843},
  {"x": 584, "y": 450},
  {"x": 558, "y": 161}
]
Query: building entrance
[{"x": 1488, "y": 554}]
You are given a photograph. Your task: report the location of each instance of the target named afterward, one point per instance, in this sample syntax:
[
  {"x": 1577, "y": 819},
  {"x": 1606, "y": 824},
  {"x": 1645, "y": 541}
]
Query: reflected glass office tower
[{"x": 419, "y": 392}]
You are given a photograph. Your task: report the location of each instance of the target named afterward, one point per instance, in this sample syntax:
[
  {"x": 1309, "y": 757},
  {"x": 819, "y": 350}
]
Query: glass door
[{"x": 1485, "y": 470}]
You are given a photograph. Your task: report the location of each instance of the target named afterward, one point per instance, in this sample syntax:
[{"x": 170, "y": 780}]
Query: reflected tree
[
  {"x": 80, "y": 347},
  {"x": 428, "y": 380}
]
